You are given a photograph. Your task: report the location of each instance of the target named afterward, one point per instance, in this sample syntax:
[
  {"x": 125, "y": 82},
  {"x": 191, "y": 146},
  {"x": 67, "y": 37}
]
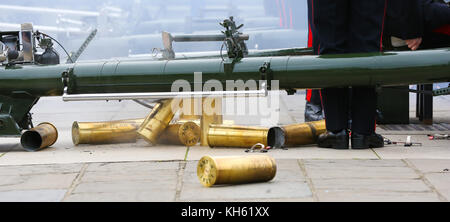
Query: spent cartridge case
[
  {"x": 156, "y": 123},
  {"x": 120, "y": 131},
  {"x": 303, "y": 134},
  {"x": 187, "y": 134},
  {"x": 241, "y": 136},
  {"x": 235, "y": 170},
  {"x": 40, "y": 137}
]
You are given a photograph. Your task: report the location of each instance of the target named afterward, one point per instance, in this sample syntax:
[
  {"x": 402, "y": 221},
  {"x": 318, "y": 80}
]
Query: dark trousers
[{"x": 349, "y": 26}]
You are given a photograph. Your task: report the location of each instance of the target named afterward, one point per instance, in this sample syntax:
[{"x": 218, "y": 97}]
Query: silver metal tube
[
  {"x": 204, "y": 38},
  {"x": 162, "y": 95}
]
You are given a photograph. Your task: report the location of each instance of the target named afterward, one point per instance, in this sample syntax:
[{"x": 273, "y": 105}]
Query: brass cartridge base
[
  {"x": 187, "y": 134},
  {"x": 235, "y": 170}
]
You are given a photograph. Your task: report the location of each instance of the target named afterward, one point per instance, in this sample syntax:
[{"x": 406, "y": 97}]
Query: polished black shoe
[
  {"x": 338, "y": 140},
  {"x": 365, "y": 142}
]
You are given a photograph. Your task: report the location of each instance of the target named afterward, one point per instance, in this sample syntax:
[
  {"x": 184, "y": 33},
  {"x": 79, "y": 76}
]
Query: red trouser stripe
[
  {"x": 443, "y": 30},
  {"x": 382, "y": 26}
]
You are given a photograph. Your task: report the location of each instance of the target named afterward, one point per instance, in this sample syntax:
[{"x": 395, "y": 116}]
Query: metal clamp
[{"x": 259, "y": 147}]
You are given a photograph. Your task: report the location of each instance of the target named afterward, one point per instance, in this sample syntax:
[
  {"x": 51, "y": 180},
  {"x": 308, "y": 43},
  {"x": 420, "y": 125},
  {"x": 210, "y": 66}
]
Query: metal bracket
[
  {"x": 266, "y": 74},
  {"x": 236, "y": 48}
]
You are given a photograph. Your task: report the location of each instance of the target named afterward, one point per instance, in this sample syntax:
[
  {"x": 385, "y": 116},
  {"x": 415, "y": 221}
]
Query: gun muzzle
[
  {"x": 42, "y": 136},
  {"x": 121, "y": 131},
  {"x": 187, "y": 134},
  {"x": 235, "y": 170}
]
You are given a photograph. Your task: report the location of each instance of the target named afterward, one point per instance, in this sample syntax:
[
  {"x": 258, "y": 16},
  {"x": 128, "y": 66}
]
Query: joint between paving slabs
[
  {"x": 376, "y": 154},
  {"x": 308, "y": 180},
  {"x": 180, "y": 175},
  {"x": 76, "y": 181},
  {"x": 425, "y": 180}
]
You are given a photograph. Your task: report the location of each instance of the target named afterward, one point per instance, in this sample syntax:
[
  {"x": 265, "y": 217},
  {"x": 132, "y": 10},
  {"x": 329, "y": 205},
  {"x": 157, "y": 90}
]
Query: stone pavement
[
  {"x": 296, "y": 180},
  {"x": 137, "y": 172}
]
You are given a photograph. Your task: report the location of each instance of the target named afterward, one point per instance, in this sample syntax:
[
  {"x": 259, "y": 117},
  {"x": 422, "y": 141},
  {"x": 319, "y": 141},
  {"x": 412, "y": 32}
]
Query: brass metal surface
[
  {"x": 42, "y": 136},
  {"x": 191, "y": 109},
  {"x": 198, "y": 121},
  {"x": 187, "y": 134},
  {"x": 211, "y": 114},
  {"x": 236, "y": 136},
  {"x": 158, "y": 120},
  {"x": 303, "y": 134},
  {"x": 120, "y": 131},
  {"x": 235, "y": 170}
]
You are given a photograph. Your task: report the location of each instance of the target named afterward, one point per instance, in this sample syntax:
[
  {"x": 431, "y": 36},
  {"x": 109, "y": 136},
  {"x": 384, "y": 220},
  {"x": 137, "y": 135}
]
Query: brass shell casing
[
  {"x": 236, "y": 136},
  {"x": 235, "y": 170},
  {"x": 155, "y": 123},
  {"x": 303, "y": 134},
  {"x": 40, "y": 137},
  {"x": 211, "y": 114},
  {"x": 187, "y": 134},
  {"x": 121, "y": 131},
  {"x": 197, "y": 121},
  {"x": 193, "y": 109}
]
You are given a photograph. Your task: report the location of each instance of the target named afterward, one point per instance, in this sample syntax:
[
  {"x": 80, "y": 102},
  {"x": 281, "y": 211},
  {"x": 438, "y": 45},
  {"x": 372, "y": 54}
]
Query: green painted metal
[
  {"x": 8, "y": 126},
  {"x": 22, "y": 85},
  {"x": 441, "y": 92},
  {"x": 293, "y": 72}
]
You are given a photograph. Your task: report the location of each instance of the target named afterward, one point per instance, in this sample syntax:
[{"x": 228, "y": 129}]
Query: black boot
[
  {"x": 365, "y": 142},
  {"x": 334, "y": 140}
]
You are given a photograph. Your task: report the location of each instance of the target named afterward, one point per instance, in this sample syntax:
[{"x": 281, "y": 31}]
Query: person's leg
[
  {"x": 330, "y": 21},
  {"x": 366, "y": 27},
  {"x": 313, "y": 107},
  {"x": 364, "y": 101},
  {"x": 335, "y": 104}
]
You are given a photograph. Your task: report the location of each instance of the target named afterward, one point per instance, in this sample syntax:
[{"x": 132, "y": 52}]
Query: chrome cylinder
[
  {"x": 42, "y": 136},
  {"x": 235, "y": 170},
  {"x": 121, "y": 131},
  {"x": 187, "y": 134}
]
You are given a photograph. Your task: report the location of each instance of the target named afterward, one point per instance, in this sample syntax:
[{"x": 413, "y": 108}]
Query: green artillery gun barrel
[{"x": 293, "y": 72}]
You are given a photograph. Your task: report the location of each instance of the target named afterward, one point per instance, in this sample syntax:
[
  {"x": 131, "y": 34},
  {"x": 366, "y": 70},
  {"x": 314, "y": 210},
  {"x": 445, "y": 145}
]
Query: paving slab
[
  {"x": 19, "y": 170},
  {"x": 283, "y": 187},
  {"x": 339, "y": 169},
  {"x": 155, "y": 195},
  {"x": 441, "y": 181},
  {"x": 381, "y": 196},
  {"x": 370, "y": 185},
  {"x": 139, "y": 151},
  {"x": 133, "y": 171},
  {"x": 431, "y": 166},
  {"x": 196, "y": 153},
  {"x": 32, "y": 196},
  {"x": 420, "y": 152},
  {"x": 137, "y": 181},
  {"x": 37, "y": 182}
]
